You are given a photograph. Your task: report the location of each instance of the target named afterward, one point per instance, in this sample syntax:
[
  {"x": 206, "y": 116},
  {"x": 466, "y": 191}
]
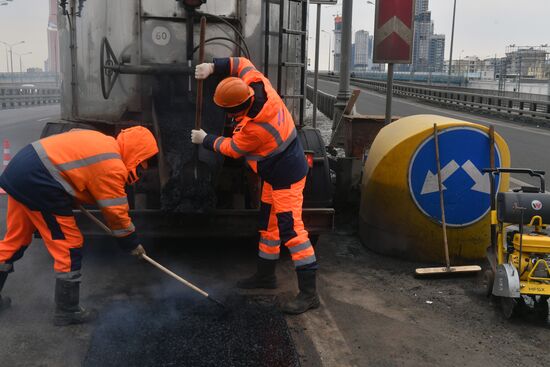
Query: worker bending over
[
  {"x": 266, "y": 136},
  {"x": 46, "y": 178}
]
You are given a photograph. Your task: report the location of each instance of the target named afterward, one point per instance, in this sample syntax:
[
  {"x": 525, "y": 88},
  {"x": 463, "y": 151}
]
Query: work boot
[
  {"x": 67, "y": 310},
  {"x": 263, "y": 278},
  {"x": 5, "y": 302},
  {"x": 307, "y": 298}
]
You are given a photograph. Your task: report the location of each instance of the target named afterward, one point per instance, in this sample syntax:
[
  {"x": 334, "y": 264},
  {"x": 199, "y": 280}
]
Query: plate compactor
[{"x": 519, "y": 255}]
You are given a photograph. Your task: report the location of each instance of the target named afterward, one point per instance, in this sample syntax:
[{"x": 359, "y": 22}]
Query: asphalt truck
[{"x": 125, "y": 63}]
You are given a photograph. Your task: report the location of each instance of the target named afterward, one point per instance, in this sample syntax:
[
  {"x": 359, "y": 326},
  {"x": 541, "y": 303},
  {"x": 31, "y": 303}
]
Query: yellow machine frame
[{"x": 515, "y": 274}]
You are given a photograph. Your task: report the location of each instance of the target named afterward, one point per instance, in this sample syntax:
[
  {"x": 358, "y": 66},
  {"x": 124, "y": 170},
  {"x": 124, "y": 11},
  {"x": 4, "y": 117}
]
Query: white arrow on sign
[
  {"x": 430, "y": 183},
  {"x": 482, "y": 181}
]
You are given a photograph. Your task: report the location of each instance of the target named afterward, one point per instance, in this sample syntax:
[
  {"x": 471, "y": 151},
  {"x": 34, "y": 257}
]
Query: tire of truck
[
  {"x": 318, "y": 191},
  {"x": 54, "y": 128}
]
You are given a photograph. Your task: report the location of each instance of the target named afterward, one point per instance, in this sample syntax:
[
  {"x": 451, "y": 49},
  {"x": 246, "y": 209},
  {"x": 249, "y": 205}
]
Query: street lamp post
[
  {"x": 10, "y": 46},
  {"x": 452, "y": 39},
  {"x": 329, "y": 47},
  {"x": 21, "y": 64},
  {"x": 7, "y": 60},
  {"x": 316, "y": 72},
  {"x": 460, "y": 72}
]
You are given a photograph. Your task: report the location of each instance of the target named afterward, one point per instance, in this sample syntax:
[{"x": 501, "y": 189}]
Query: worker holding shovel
[
  {"x": 266, "y": 136},
  {"x": 46, "y": 178}
]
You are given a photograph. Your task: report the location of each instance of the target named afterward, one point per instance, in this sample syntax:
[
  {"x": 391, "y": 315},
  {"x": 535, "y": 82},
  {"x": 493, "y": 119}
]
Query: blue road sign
[{"x": 463, "y": 153}]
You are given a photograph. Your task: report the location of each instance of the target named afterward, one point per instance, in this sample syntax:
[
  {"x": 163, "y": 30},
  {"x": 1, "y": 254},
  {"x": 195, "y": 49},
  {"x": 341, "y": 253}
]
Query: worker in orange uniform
[
  {"x": 266, "y": 136},
  {"x": 46, "y": 178}
]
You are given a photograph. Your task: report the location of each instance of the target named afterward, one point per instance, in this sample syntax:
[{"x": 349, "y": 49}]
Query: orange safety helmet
[
  {"x": 233, "y": 94},
  {"x": 137, "y": 144}
]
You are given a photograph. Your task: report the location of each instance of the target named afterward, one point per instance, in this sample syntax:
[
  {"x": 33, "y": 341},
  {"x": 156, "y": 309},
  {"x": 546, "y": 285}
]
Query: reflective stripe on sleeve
[
  {"x": 124, "y": 231},
  {"x": 218, "y": 143},
  {"x": 104, "y": 203},
  {"x": 235, "y": 68},
  {"x": 41, "y": 152},
  {"x": 87, "y": 161}
]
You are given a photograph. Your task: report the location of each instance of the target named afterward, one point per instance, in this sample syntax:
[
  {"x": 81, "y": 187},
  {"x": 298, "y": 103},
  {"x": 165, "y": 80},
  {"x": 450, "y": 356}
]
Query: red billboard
[{"x": 393, "y": 31}]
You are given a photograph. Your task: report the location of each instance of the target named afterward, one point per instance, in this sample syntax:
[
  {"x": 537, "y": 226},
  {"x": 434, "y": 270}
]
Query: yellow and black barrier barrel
[{"x": 400, "y": 212}]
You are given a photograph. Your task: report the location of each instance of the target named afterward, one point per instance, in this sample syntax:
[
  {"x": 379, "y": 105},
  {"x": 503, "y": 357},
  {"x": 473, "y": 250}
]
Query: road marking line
[
  {"x": 44, "y": 119},
  {"x": 327, "y": 338}
]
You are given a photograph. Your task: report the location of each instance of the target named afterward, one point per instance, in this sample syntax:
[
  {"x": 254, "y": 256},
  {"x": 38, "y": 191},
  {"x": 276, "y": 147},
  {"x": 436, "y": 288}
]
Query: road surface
[{"x": 374, "y": 313}]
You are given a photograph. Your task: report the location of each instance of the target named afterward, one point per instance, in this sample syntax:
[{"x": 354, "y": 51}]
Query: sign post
[
  {"x": 317, "y": 36},
  {"x": 393, "y": 39}
]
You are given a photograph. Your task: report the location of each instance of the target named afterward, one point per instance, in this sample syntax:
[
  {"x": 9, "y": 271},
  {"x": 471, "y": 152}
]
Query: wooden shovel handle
[{"x": 198, "y": 111}]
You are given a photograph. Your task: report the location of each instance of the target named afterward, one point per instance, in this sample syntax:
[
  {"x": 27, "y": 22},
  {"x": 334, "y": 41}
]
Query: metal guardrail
[
  {"x": 21, "y": 97},
  {"x": 507, "y": 93},
  {"x": 500, "y": 105},
  {"x": 455, "y": 85}
]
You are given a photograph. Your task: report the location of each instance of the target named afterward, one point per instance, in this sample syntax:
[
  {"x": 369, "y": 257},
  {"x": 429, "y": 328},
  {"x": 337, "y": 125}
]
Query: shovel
[
  {"x": 196, "y": 168},
  {"x": 153, "y": 262}
]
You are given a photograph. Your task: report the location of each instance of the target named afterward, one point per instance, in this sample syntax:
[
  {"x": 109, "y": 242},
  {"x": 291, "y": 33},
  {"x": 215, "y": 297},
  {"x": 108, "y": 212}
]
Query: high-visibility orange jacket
[
  {"x": 89, "y": 166},
  {"x": 266, "y": 135}
]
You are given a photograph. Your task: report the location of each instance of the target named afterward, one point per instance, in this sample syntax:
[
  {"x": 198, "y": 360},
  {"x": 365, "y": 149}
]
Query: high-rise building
[
  {"x": 423, "y": 29},
  {"x": 428, "y": 48},
  {"x": 52, "y": 64},
  {"x": 436, "y": 54},
  {"x": 361, "y": 57},
  {"x": 337, "y": 42},
  {"x": 421, "y": 6}
]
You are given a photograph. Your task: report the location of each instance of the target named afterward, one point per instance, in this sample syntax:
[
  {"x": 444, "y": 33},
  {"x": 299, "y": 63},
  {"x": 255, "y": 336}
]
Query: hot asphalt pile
[{"x": 184, "y": 332}]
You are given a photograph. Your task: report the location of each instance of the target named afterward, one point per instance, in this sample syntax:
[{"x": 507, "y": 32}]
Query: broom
[{"x": 446, "y": 269}]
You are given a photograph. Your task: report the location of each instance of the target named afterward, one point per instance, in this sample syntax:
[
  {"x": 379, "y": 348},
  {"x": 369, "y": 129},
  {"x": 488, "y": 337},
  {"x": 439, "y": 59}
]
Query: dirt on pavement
[{"x": 376, "y": 313}]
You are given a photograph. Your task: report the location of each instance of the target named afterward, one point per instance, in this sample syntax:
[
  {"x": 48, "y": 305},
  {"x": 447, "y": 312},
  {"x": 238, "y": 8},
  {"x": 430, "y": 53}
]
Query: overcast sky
[{"x": 483, "y": 27}]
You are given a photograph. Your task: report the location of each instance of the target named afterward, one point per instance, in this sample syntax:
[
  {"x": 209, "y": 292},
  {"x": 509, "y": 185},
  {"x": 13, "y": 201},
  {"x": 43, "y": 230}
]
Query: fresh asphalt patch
[{"x": 184, "y": 332}]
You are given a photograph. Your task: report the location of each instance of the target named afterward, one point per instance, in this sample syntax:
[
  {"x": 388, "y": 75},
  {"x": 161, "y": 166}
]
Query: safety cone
[{"x": 6, "y": 160}]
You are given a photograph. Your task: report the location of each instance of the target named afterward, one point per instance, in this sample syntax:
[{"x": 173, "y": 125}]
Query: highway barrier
[
  {"x": 504, "y": 106},
  {"x": 325, "y": 101},
  {"x": 27, "y": 96}
]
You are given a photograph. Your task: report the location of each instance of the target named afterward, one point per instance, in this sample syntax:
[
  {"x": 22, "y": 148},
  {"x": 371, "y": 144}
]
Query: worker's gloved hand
[
  {"x": 197, "y": 136},
  {"x": 204, "y": 70},
  {"x": 139, "y": 251}
]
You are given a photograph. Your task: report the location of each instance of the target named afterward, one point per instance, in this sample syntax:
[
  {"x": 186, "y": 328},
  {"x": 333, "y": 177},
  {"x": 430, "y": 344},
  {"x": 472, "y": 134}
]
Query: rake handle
[
  {"x": 145, "y": 257},
  {"x": 95, "y": 220},
  {"x": 174, "y": 275}
]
